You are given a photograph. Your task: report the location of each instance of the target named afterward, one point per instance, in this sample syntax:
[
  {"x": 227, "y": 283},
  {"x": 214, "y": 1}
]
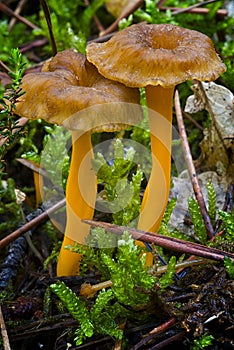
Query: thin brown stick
[
  {"x": 29, "y": 225},
  {"x": 95, "y": 18},
  {"x": 33, "y": 44},
  {"x": 168, "y": 341},
  {"x": 9, "y": 12},
  {"x": 6, "y": 69},
  {"x": 160, "y": 3},
  {"x": 17, "y": 11},
  {"x": 188, "y": 116},
  {"x": 5, "y": 339},
  {"x": 124, "y": 14},
  {"x": 191, "y": 168},
  {"x": 32, "y": 166},
  {"x": 195, "y": 11},
  {"x": 182, "y": 10},
  {"x": 46, "y": 11},
  {"x": 162, "y": 328},
  {"x": 165, "y": 242}
]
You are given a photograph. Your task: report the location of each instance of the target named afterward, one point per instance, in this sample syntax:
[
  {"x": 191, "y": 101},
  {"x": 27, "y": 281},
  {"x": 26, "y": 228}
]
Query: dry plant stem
[
  {"x": 96, "y": 19},
  {"x": 80, "y": 205},
  {"x": 199, "y": 4},
  {"x": 49, "y": 25},
  {"x": 88, "y": 291},
  {"x": 191, "y": 168},
  {"x": 168, "y": 341},
  {"x": 36, "y": 43},
  {"x": 32, "y": 166},
  {"x": 124, "y": 14},
  {"x": 5, "y": 339},
  {"x": 17, "y": 11},
  {"x": 162, "y": 328},
  {"x": 31, "y": 224},
  {"x": 197, "y": 11},
  {"x": 6, "y": 69},
  {"x": 188, "y": 116},
  {"x": 9, "y": 12},
  {"x": 165, "y": 242},
  {"x": 159, "y": 102},
  {"x": 160, "y": 3},
  {"x": 193, "y": 8}
]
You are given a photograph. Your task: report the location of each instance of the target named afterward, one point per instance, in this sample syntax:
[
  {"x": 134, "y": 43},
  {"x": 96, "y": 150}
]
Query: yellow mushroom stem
[
  {"x": 159, "y": 102},
  {"x": 80, "y": 201}
]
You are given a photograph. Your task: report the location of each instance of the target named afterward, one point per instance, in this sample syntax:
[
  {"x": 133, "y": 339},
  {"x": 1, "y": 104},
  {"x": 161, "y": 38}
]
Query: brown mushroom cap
[
  {"x": 156, "y": 54},
  {"x": 70, "y": 92}
]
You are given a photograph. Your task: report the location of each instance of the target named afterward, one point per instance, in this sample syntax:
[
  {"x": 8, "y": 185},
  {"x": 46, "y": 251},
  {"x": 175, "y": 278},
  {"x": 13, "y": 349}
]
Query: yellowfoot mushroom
[
  {"x": 157, "y": 57},
  {"x": 70, "y": 92}
]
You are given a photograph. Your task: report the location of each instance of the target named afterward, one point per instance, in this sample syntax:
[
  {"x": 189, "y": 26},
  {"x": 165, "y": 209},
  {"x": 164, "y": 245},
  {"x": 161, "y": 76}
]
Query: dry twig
[
  {"x": 124, "y": 14},
  {"x": 29, "y": 225},
  {"x": 9, "y": 12},
  {"x": 161, "y": 328},
  {"x": 171, "y": 243},
  {"x": 191, "y": 168},
  {"x": 196, "y": 9},
  {"x": 5, "y": 339},
  {"x": 17, "y": 11}
]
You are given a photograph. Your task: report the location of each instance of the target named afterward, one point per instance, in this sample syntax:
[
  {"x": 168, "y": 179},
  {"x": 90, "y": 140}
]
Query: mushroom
[
  {"x": 157, "y": 57},
  {"x": 70, "y": 92}
]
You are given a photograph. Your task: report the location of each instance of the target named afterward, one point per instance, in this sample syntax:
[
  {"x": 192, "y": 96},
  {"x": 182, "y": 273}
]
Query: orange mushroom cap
[
  {"x": 156, "y": 54},
  {"x": 68, "y": 85}
]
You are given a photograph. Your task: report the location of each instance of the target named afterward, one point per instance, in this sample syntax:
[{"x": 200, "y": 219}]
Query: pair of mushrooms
[{"x": 106, "y": 82}]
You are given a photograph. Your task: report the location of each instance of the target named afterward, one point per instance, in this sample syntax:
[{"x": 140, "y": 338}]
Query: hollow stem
[
  {"x": 80, "y": 200},
  {"x": 159, "y": 101}
]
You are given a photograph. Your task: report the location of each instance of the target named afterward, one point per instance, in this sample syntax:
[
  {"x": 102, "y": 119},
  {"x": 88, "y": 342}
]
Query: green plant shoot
[
  {"x": 198, "y": 223},
  {"x": 9, "y": 129}
]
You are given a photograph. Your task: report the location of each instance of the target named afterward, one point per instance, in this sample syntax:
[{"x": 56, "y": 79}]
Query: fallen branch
[{"x": 171, "y": 243}]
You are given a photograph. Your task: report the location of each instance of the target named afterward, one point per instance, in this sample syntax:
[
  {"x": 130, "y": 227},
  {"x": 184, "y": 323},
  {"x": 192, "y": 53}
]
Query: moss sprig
[
  {"x": 211, "y": 201},
  {"x": 228, "y": 224},
  {"x": 97, "y": 319},
  {"x": 76, "y": 308},
  {"x": 9, "y": 129},
  {"x": 121, "y": 184},
  {"x": 167, "y": 278},
  {"x": 197, "y": 220}
]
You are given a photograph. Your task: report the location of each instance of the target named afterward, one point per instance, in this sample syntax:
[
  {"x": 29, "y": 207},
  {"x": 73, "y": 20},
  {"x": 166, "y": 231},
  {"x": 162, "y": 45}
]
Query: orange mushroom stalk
[
  {"x": 157, "y": 57},
  {"x": 71, "y": 92}
]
